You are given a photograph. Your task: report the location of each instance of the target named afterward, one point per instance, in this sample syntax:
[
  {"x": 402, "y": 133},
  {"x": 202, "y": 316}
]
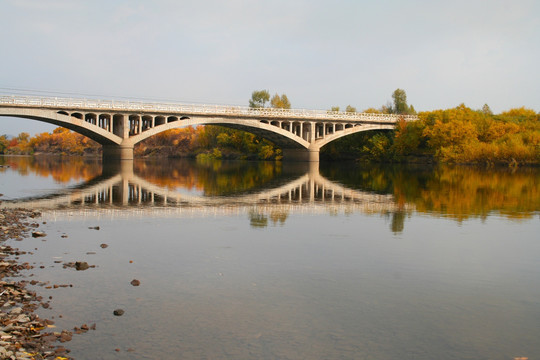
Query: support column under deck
[
  {"x": 117, "y": 152},
  {"x": 300, "y": 155}
]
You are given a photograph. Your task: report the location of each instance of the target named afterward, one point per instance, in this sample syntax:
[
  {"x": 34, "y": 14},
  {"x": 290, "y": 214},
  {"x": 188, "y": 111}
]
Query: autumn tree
[
  {"x": 521, "y": 113},
  {"x": 280, "y": 102},
  {"x": 3, "y": 144},
  {"x": 372, "y": 110},
  {"x": 350, "y": 109},
  {"x": 259, "y": 98}
]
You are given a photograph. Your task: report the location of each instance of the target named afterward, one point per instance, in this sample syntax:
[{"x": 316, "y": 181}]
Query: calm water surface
[{"x": 270, "y": 261}]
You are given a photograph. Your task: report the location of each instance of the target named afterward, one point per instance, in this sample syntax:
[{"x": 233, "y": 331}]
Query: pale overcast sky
[{"x": 320, "y": 53}]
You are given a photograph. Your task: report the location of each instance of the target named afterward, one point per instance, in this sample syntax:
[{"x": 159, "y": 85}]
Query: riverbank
[{"x": 23, "y": 334}]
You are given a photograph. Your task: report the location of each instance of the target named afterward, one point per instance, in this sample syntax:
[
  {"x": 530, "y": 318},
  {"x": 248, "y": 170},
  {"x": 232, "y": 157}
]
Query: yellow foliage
[{"x": 521, "y": 112}]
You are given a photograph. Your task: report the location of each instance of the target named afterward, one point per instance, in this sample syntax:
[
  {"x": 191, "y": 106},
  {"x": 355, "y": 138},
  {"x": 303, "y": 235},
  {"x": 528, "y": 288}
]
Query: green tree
[
  {"x": 350, "y": 109},
  {"x": 280, "y": 102},
  {"x": 400, "y": 102},
  {"x": 334, "y": 109},
  {"x": 259, "y": 98}
]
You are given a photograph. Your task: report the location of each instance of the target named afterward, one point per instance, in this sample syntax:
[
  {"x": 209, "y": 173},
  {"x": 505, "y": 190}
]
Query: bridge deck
[{"x": 232, "y": 111}]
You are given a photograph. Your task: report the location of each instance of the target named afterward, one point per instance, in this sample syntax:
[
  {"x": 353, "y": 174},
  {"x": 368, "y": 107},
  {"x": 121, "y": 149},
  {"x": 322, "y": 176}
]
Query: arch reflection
[{"x": 120, "y": 187}]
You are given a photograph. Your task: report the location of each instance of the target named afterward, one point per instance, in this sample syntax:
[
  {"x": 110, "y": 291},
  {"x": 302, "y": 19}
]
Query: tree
[
  {"x": 372, "y": 110},
  {"x": 400, "y": 102},
  {"x": 3, "y": 144},
  {"x": 23, "y": 137},
  {"x": 335, "y": 109},
  {"x": 520, "y": 113},
  {"x": 486, "y": 110},
  {"x": 259, "y": 98},
  {"x": 280, "y": 102},
  {"x": 387, "y": 109},
  {"x": 350, "y": 109}
]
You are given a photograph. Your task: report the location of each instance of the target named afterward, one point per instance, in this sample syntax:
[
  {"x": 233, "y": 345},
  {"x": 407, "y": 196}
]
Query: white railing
[{"x": 191, "y": 109}]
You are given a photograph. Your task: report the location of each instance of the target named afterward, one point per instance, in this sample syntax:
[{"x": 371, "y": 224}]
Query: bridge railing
[{"x": 195, "y": 109}]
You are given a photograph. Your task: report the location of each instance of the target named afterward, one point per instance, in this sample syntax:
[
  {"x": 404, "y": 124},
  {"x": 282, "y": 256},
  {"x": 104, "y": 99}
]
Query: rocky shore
[{"x": 23, "y": 334}]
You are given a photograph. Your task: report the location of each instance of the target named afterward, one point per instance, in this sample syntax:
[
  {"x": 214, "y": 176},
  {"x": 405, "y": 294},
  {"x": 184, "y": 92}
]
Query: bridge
[{"x": 119, "y": 125}]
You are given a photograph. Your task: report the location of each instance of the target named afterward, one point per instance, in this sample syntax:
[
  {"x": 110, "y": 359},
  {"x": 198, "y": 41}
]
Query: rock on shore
[{"x": 23, "y": 335}]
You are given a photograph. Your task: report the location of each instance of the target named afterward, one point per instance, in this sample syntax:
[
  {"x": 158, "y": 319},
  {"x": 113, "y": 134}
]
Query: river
[{"x": 262, "y": 260}]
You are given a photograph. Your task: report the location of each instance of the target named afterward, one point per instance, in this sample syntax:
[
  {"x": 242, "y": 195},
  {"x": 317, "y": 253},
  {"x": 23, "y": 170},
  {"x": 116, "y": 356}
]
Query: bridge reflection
[{"x": 119, "y": 188}]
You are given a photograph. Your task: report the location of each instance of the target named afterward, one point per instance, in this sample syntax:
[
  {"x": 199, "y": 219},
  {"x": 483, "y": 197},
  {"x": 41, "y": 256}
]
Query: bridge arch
[
  {"x": 59, "y": 118},
  {"x": 277, "y": 135},
  {"x": 319, "y": 143}
]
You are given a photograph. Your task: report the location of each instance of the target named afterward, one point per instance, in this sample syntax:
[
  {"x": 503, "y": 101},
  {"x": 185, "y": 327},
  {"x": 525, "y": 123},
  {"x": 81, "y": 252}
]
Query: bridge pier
[
  {"x": 301, "y": 155},
  {"x": 117, "y": 152}
]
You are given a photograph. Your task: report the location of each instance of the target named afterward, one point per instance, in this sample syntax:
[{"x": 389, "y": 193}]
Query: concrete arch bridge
[{"x": 119, "y": 125}]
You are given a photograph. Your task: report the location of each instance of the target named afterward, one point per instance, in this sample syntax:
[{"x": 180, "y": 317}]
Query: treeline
[
  {"x": 208, "y": 142},
  {"x": 61, "y": 141},
  {"x": 213, "y": 142},
  {"x": 458, "y": 135}
]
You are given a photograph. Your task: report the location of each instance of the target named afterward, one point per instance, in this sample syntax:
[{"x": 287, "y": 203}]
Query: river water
[{"x": 240, "y": 260}]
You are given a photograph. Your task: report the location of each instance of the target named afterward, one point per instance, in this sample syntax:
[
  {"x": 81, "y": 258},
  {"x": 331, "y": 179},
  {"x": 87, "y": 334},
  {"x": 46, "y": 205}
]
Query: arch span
[
  {"x": 59, "y": 118},
  {"x": 319, "y": 143},
  {"x": 280, "y": 137}
]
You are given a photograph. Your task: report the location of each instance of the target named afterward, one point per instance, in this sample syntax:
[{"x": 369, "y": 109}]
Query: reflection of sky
[
  {"x": 315, "y": 287},
  {"x": 13, "y": 185},
  {"x": 193, "y": 191}
]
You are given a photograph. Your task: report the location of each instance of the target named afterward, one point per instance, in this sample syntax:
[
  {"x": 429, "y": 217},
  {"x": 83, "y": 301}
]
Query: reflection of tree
[
  {"x": 258, "y": 220},
  {"x": 398, "y": 221},
  {"x": 213, "y": 177},
  {"x": 279, "y": 216},
  {"x": 459, "y": 192},
  {"x": 61, "y": 169},
  {"x": 464, "y": 192}
]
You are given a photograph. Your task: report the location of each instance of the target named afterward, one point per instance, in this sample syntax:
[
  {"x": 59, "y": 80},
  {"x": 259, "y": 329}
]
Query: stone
[
  {"x": 65, "y": 336},
  {"x": 135, "y": 282},
  {"x": 104, "y": 246},
  {"x": 36, "y": 234},
  {"x": 118, "y": 312},
  {"x": 81, "y": 265},
  {"x": 16, "y": 311}
]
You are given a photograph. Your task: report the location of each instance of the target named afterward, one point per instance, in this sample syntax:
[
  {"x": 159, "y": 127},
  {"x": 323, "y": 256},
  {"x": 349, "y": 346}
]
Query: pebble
[
  {"x": 118, "y": 312},
  {"x": 135, "y": 282},
  {"x": 23, "y": 334}
]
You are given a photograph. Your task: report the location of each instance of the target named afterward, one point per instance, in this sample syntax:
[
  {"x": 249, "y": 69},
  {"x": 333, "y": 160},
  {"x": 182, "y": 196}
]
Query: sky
[{"x": 319, "y": 53}]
